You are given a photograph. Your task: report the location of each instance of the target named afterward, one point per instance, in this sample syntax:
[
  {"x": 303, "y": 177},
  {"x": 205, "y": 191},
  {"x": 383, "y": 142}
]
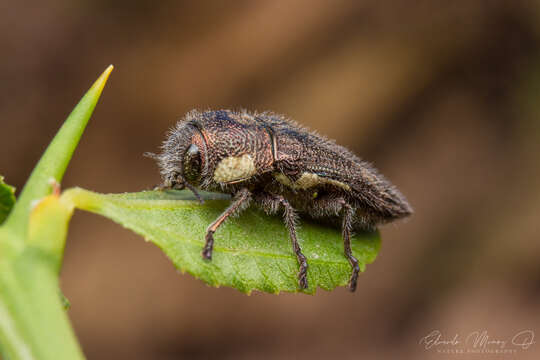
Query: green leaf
[
  {"x": 33, "y": 322},
  {"x": 7, "y": 199},
  {"x": 252, "y": 251},
  {"x": 53, "y": 163}
]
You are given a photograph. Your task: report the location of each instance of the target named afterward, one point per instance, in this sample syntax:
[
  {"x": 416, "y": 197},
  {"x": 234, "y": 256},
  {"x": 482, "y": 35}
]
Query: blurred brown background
[{"x": 442, "y": 96}]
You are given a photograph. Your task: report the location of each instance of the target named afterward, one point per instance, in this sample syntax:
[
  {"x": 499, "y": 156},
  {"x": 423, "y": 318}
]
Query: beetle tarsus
[
  {"x": 346, "y": 228},
  {"x": 302, "y": 273},
  {"x": 208, "y": 246},
  {"x": 354, "y": 275}
]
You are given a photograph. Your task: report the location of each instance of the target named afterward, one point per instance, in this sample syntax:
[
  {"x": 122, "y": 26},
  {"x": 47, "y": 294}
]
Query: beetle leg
[
  {"x": 240, "y": 202},
  {"x": 346, "y": 230},
  {"x": 330, "y": 206},
  {"x": 290, "y": 221},
  {"x": 271, "y": 204}
]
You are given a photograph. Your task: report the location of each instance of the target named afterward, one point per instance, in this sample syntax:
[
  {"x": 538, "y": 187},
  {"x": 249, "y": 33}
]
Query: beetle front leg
[{"x": 240, "y": 202}]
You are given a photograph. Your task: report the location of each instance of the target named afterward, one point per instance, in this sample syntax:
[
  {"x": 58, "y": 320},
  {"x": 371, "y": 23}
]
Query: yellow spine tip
[
  {"x": 102, "y": 80},
  {"x": 106, "y": 73}
]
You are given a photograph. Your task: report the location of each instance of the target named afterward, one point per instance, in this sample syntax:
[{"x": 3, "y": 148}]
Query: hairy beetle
[{"x": 279, "y": 165}]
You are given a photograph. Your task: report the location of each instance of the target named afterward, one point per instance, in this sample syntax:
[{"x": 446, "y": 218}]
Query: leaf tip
[{"x": 102, "y": 80}]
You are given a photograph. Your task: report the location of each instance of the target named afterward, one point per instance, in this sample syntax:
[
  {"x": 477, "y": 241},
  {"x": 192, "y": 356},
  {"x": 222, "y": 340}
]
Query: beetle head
[{"x": 183, "y": 157}]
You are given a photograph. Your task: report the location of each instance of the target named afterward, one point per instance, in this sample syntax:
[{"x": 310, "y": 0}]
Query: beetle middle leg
[
  {"x": 271, "y": 203},
  {"x": 240, "y": 202}
]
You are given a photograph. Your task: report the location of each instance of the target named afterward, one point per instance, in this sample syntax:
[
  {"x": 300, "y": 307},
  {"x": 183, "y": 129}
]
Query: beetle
[{"x": 270, "y": 160}]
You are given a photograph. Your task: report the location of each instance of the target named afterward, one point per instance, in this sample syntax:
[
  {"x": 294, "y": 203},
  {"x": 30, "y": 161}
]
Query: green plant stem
[{"x": 33, "y": 321}]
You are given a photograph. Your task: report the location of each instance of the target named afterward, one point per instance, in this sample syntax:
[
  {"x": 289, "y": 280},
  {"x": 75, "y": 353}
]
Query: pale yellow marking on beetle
[
  {"x": 235, "y": 168},
  {"x": 337, "y": 183},
  {"x": 283, "y": 179},
  {"x": 309, "y": 180}
]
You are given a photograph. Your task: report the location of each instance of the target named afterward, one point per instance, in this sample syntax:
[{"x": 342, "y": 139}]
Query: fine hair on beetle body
[{"x": 271, "y": 161}]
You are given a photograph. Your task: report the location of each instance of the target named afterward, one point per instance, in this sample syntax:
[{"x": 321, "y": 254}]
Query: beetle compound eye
[{"x": 192, "y": 163}]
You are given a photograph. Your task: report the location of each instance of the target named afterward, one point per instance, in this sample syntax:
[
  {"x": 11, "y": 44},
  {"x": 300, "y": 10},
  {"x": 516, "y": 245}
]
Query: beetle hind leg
[
  {"x": 339, "y": 207},
  {"x": 346, "y": 230}
]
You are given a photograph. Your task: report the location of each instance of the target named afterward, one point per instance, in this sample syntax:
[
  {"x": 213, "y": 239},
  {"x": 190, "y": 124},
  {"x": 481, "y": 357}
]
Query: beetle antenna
[{"x": 151, "y": 155}]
